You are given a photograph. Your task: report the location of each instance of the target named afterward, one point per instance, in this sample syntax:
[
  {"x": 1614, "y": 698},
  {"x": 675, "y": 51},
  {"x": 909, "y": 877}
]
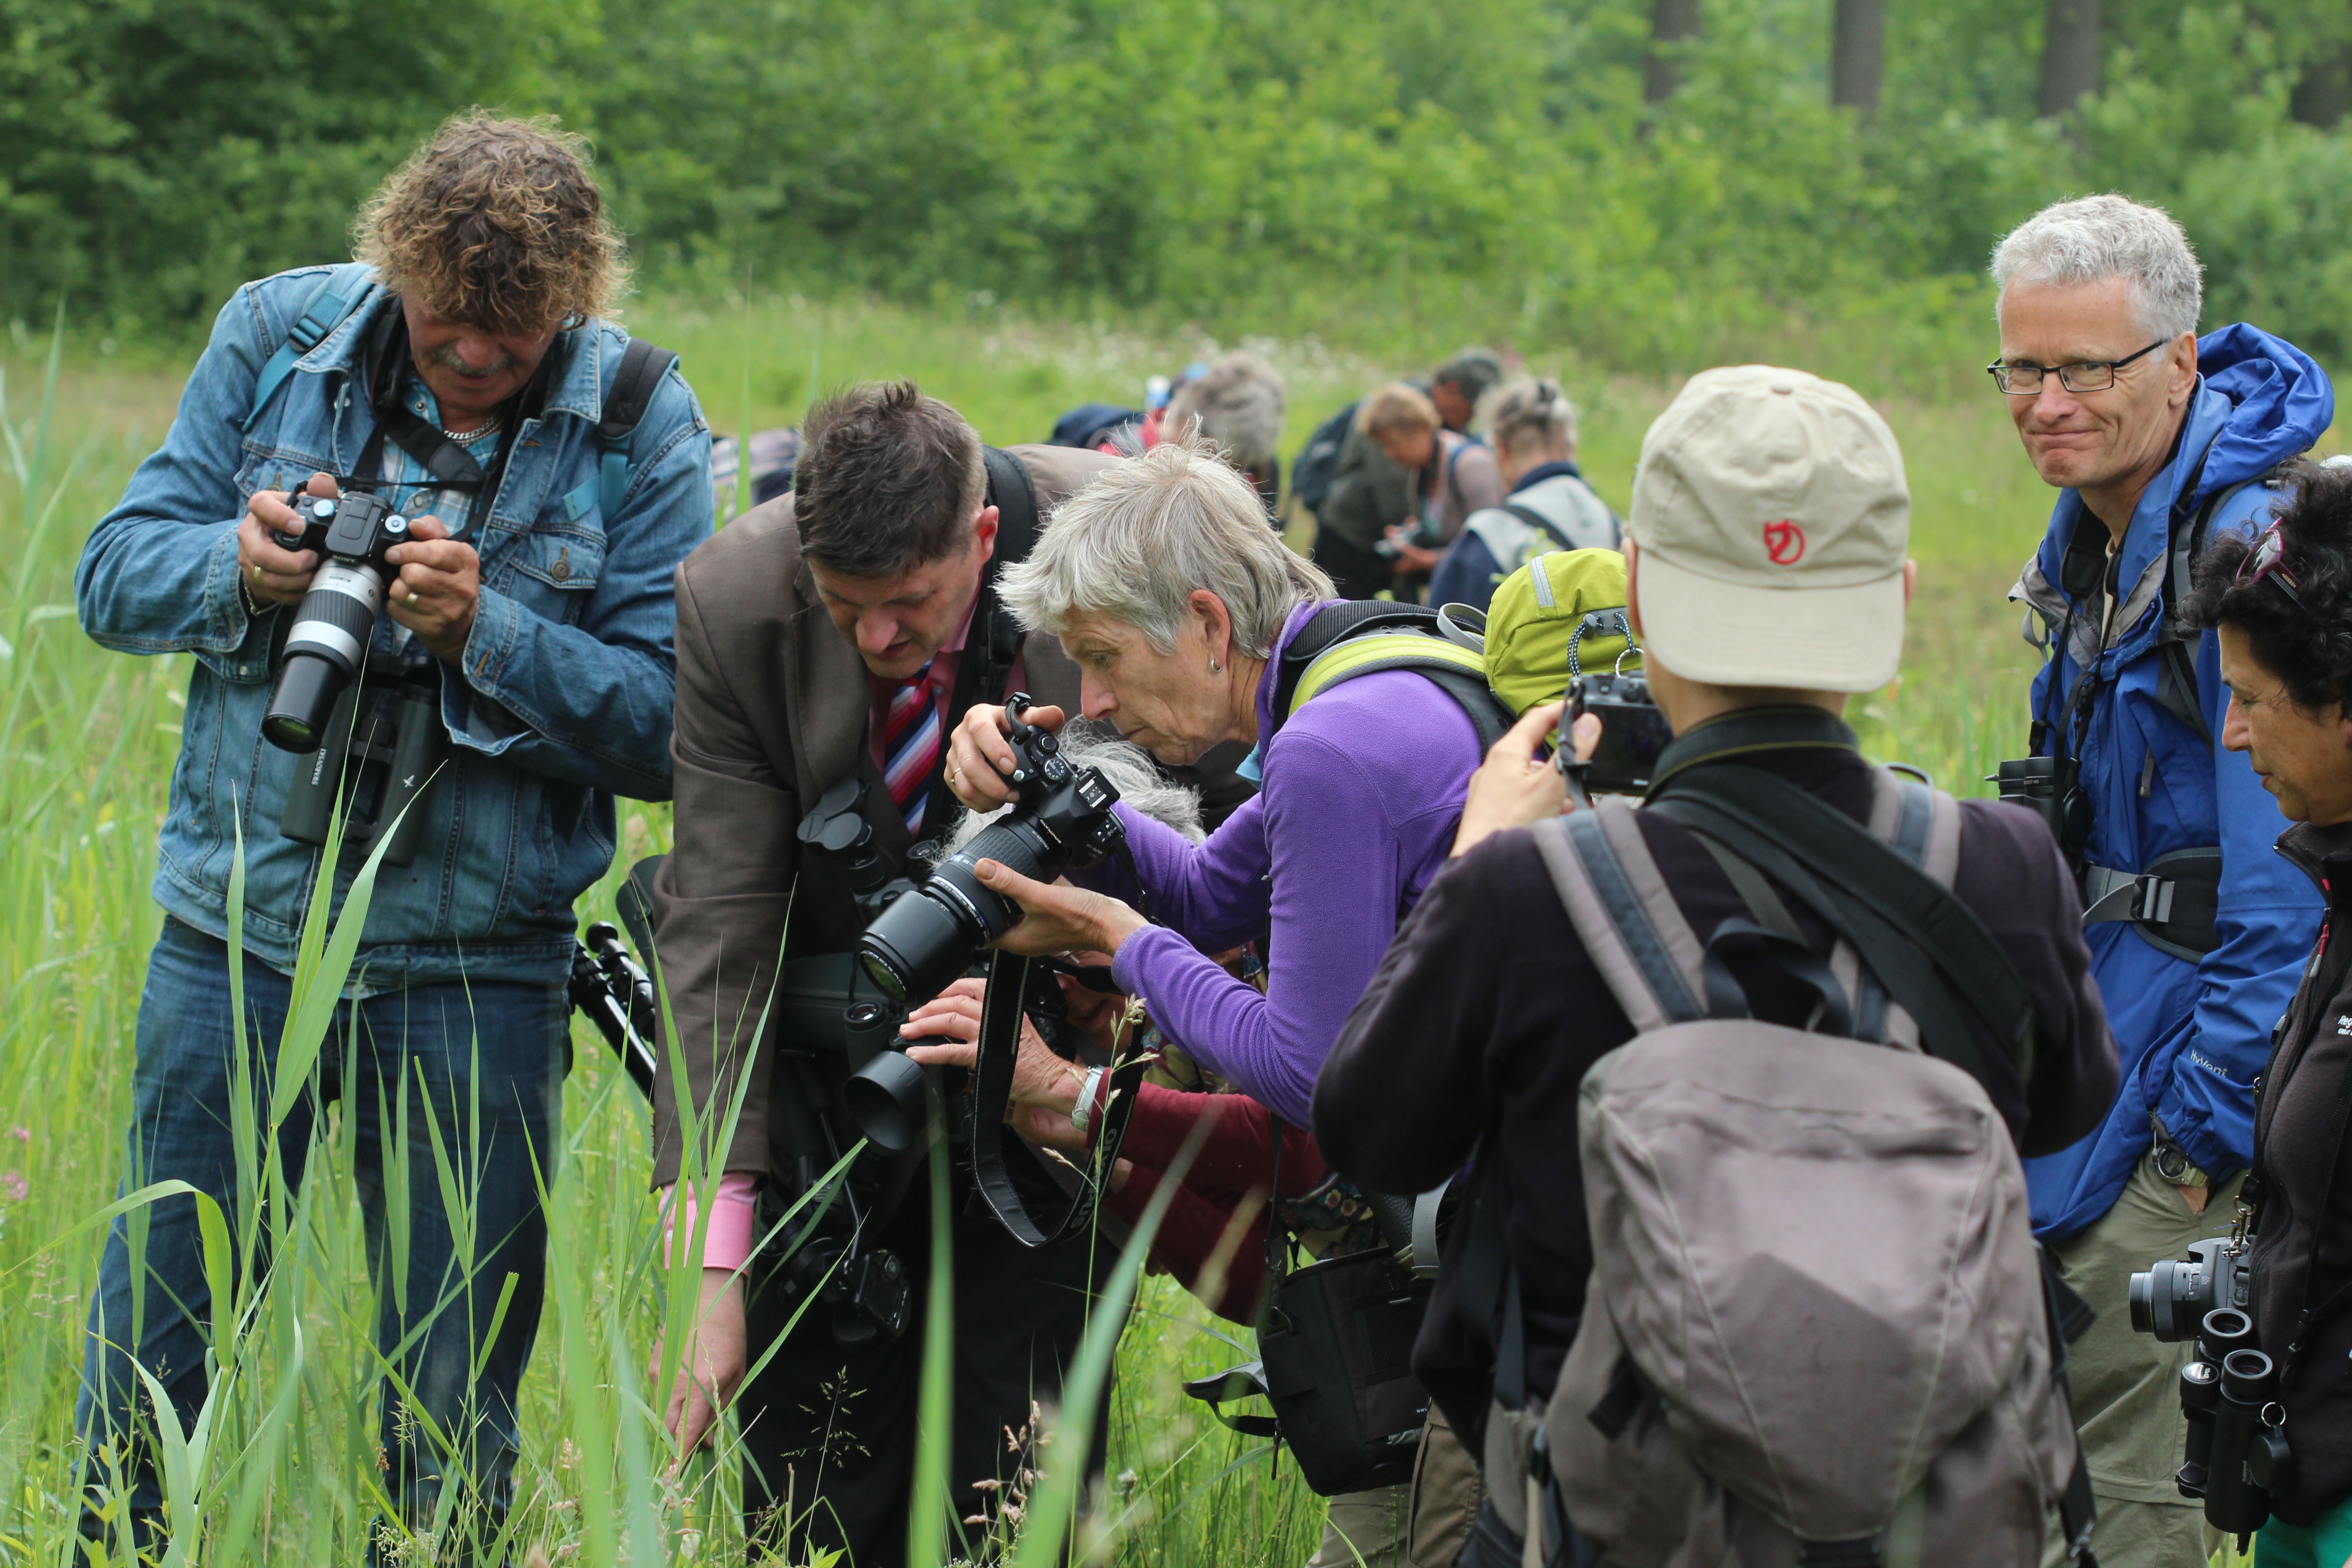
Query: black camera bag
[{"x": 1335, "y": 1360}]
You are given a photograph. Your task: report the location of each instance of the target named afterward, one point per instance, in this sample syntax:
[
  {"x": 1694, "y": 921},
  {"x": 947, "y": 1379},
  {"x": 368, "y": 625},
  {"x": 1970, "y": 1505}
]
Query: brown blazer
[{"x": 772, "y": 709}]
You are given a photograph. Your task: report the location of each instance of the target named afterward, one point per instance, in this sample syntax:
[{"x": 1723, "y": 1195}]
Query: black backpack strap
[
  {"x": 643, "y": 365},
  {"x": 1536, "y": 519},
  {"x": 1335, "y": 624},
  {"x": 1930, "y": 951}
]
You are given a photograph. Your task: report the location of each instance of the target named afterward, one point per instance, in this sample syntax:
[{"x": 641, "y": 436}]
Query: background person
[
  {"x": 1448, "y": 477},
  {"x": 1368, "y": 492},
  {"x": 2281, "y": 607},
  {"x": 2155, "y": 431},
  {"x": 547, "y": 635},
  {"x": 1478, "y": 1030},
  {"x": 839, "y": 633},
  {"x": 1531, "y": 425},
  {"x": 1163, "y": 582},
  {"x": 1236, "y": 402}
]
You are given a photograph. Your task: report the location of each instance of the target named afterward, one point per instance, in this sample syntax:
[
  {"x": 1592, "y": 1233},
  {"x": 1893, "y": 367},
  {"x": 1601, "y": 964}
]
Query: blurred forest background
[{"x": 1656, "y": 184}]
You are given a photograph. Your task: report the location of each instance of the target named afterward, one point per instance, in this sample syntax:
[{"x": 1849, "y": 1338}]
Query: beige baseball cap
[{"x": 1772, "y": 522}]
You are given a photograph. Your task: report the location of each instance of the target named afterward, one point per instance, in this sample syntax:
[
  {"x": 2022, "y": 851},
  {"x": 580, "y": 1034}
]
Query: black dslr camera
[
  {"x": 327, "y": 644},
  {"x": 1632, "y": 731},
  {"x": 928, "y": 934},
  {"x": 2236, "y": 1452}
]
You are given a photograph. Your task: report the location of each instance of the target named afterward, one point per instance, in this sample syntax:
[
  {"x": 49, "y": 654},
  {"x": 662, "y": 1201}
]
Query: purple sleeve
[
  {"x": 1213, "y": 892},
  {"x": 1340, "y": 867}
]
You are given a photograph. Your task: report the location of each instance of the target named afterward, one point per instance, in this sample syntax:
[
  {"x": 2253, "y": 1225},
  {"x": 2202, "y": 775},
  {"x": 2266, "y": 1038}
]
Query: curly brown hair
[{"x": 498, "y": 224}]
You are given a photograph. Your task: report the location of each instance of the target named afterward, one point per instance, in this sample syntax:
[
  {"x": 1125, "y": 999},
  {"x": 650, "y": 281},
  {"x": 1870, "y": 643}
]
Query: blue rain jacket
[
  {"x": 561, "y": 702},
  {"x": 2190, "y": 1037}
]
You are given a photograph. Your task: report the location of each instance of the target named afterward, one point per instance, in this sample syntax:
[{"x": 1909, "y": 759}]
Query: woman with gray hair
[
  {"x": 1548, "y": 506},
  {"x": 1165, "y": 583}
]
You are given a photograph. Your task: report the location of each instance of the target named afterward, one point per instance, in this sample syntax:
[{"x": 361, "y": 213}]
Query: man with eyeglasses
[{"x": 2156, "y": 441}]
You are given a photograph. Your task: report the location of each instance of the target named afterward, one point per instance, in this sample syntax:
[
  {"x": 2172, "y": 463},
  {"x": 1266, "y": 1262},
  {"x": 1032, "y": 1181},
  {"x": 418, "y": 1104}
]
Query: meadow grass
[{"x": 87, "y": 744}]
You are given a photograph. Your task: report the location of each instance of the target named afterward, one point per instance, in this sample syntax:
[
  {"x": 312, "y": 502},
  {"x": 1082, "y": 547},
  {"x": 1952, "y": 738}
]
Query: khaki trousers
[
  {"x": 1420, "y": 1523},
  {"x": 2127, "y": 1386}
]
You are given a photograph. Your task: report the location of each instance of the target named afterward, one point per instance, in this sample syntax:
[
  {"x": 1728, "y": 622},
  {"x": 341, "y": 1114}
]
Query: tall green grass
[{"x": 287, "y": 1467}]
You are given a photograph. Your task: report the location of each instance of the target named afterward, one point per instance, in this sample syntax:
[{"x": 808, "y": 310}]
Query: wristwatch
[{"x": 1083, "y": 1113}]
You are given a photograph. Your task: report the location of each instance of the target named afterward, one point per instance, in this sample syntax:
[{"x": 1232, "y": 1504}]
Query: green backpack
[{"x": 1560, "y": 613}]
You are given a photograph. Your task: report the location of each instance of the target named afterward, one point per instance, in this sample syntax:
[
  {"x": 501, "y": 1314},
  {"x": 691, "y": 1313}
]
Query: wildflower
[{"x": 14, "y": 1187}]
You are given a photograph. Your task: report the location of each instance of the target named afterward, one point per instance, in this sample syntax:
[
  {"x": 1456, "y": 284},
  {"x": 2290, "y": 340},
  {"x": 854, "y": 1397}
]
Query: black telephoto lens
[
  {"x": 918, "y": 945},
  {"x": 307, "y": 686}
]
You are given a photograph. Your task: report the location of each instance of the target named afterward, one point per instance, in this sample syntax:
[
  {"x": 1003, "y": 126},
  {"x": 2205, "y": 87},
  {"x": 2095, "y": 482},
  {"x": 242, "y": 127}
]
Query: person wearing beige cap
[{"x": 1767, "y": 581}]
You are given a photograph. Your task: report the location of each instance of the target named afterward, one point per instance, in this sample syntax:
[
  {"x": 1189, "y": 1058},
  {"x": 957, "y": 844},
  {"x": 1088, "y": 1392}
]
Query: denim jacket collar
[{"x": 578, "y": 388}]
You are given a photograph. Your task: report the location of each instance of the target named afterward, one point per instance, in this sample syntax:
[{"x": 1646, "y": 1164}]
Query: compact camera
[
  {"x": 2170, "y": 1298},
  {"x": 327, "y": 643},
  {"x": 1062, "y": 818}
]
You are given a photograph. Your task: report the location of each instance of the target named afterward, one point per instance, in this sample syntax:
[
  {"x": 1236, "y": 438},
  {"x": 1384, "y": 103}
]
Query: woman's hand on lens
[
  {"x": 1515, "y": 788},
  {"x": 273, "y": 574},
  {"x": 980, "y": 757},
  {"x": 1044, "y": 1087},
  {"x": 1057, "y": 916}
]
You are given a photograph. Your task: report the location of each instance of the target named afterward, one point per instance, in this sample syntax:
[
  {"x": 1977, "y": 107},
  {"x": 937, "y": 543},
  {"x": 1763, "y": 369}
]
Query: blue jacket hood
[{"x": 2280, "y": 402}]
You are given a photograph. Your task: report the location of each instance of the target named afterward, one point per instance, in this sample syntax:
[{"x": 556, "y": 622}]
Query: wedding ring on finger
[{"x": 412, "y": 598}]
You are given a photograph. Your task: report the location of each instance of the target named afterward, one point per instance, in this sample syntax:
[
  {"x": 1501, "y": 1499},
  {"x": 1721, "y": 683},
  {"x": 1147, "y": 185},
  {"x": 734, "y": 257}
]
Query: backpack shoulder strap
[
  {"x": 1015, "y": 496},
  {"x": 329, "y": 305},
  {"x": 1333, "y": 624},
  {"x": 1538, "y": 520},
  {"x": 1628, "y": 920},
  {"x": 643, "y": 365}
]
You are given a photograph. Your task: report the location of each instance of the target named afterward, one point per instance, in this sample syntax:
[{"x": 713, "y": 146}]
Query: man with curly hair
[{"x": 461, "y": 371}]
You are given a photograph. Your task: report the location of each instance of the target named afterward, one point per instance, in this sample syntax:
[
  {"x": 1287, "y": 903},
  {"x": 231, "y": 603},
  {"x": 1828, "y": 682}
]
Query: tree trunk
[
  {"x": 2324, "y": 92},
  {"x": 1671, "y": 22},
  {"x": 1857, "y": 55},
  {"x": 2070, "y": 54}
]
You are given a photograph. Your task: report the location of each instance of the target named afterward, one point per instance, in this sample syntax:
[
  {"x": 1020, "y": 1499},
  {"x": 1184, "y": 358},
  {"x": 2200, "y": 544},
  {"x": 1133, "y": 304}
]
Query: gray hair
[
  {"x": 1237, "y": 403},
  {"x": 2069, "y": 244},
  {"x": 1531, "y": 410},
  {"x": 1137, "y": 542},
  {"x": 1130, "y": 771}
]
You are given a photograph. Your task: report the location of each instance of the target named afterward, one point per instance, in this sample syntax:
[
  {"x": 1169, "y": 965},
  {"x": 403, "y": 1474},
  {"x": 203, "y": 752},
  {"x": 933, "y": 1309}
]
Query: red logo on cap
[{"x": 1784, "y": 541}]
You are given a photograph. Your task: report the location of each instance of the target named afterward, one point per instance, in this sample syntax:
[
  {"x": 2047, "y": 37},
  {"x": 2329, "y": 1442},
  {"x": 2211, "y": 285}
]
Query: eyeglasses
[
  {"x": 2022, "y": 378},
  {"x": 2268, "y": 558}
]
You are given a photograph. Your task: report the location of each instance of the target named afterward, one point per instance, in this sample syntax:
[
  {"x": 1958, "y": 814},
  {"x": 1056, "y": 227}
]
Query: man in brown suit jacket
[{"x": 840, "y": 633}]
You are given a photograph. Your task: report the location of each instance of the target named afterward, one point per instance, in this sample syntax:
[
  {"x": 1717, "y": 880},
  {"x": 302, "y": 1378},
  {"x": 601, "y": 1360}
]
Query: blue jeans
[{"x": 482, "y": 1065}]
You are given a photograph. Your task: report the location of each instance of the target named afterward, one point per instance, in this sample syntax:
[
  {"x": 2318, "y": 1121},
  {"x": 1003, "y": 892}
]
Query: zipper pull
[{"x": 2146, "y": 775}]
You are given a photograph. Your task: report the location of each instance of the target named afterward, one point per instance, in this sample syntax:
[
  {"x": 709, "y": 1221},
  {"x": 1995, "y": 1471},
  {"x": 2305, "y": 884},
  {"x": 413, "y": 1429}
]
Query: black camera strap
[
  {"x": 993, "y": 643},
  {"x": 1010, "y": 976}
]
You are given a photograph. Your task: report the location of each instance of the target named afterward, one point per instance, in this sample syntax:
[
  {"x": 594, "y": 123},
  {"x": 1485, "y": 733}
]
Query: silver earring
[{"x": 1214, "y": 666}]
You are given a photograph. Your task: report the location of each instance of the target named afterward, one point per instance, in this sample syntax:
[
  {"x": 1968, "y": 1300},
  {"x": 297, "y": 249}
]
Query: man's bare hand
[
  {"x": 2195, "y": 1197},
  {"x": 272, "y": 574},
  {"x": 1513, "y": 788},
  {"x": 438, "y": 589},
  {"x": 715, "y": 1361},
  {"x": 978, "y": 756}
]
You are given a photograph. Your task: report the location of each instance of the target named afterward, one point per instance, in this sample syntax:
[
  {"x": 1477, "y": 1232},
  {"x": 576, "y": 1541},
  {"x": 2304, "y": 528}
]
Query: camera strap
[{"x": 1010, "y": 977}]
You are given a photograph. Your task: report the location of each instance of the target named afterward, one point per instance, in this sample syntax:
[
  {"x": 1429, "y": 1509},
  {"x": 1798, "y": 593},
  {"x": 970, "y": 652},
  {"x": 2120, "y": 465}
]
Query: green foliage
[{"x": 1378, "y": 172}]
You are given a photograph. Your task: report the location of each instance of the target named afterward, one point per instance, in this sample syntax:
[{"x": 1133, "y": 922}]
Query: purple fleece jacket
[{"x": 1362, "y": 789}]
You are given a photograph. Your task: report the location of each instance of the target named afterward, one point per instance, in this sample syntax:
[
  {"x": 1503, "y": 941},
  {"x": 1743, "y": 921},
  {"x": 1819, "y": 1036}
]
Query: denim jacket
[{"x": 570, "y": 648}]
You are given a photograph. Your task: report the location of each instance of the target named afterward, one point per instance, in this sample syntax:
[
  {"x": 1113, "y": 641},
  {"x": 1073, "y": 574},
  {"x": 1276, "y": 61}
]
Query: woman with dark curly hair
[{"x": 2281, "y": 603}]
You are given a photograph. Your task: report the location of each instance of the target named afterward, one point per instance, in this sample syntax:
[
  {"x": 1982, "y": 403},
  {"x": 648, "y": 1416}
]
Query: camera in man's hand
[
  {"x": 326, "y": 645},
  {"x": 927, "y": 937},
  {"x": 1632, "y": 731}
]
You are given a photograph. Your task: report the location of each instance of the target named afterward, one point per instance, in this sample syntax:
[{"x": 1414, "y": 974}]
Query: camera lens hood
[{"x": 885, "y": 1099}]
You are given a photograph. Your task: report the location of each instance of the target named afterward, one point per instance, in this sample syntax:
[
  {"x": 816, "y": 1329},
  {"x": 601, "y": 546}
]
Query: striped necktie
[{"x": 910, "y": 747}]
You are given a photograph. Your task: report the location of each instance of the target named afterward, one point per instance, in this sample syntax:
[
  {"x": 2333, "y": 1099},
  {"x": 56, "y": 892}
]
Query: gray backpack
[{"x": 1816, "y": 1331}]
